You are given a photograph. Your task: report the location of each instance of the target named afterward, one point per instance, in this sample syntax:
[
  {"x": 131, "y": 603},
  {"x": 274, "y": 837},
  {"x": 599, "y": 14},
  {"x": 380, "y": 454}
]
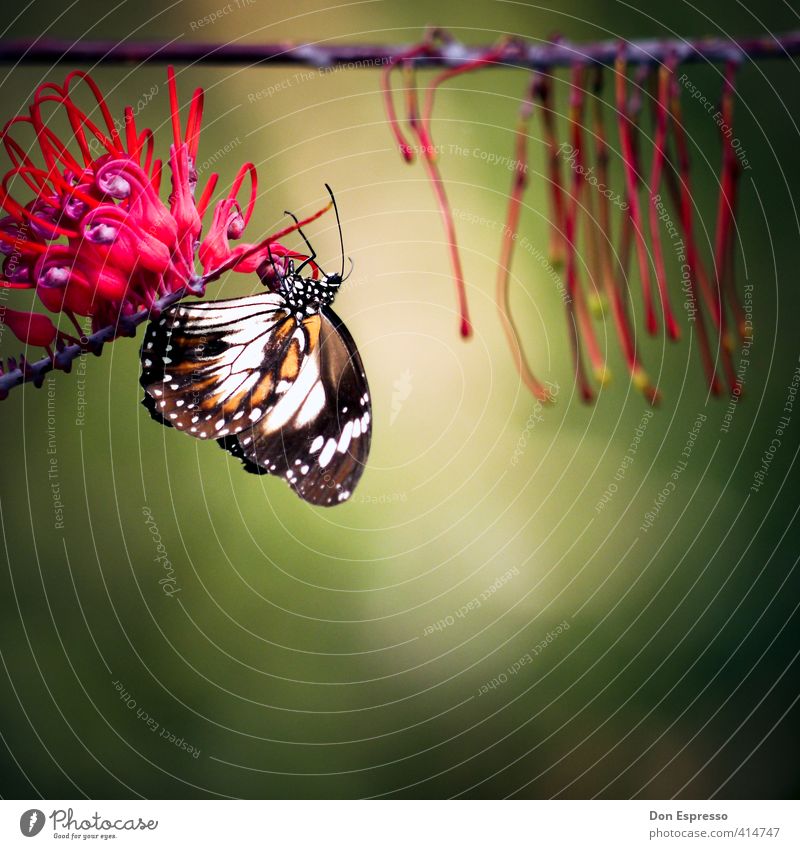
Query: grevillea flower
[
  {"x": 85, "y": 224},
  {"x": 580, "y": 208}
]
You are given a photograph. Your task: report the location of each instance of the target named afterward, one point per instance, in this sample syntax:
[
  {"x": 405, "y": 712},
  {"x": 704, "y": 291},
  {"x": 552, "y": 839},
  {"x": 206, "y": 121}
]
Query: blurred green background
[{"x": 300, "y": 655}]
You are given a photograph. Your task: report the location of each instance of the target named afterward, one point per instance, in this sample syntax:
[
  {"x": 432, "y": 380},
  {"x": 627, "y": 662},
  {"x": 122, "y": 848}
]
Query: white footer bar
[{"x": 402, "y": 824}]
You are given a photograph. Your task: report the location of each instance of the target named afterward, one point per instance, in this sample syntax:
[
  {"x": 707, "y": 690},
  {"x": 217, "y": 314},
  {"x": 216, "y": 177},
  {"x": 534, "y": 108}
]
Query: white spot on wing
[
  {"x": 344, "y": 439},
  {"x": 327, "y": 453},
  {"x": 313, "y": 405}
]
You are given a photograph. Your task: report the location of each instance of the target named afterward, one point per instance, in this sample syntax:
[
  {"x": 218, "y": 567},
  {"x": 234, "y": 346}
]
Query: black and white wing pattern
[
  {"x": 206, "y": 367},
  {"x": 289, "y": 398},
  {"x": 317, "y": 436}
]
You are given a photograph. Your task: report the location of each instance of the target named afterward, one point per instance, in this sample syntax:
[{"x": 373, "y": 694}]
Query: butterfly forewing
[
  {"x": 209, "y": 368},
  {"x": 288, "y": 397}
]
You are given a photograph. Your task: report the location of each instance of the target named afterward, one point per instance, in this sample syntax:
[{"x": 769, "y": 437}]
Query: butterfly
[{"x": 275, "y": 378}]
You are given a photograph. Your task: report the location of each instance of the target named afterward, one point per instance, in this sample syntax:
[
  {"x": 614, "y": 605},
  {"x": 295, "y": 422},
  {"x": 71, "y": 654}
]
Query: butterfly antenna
[
  {"x": 339, "y": 225},
  {"x": 312, "y": 253}
]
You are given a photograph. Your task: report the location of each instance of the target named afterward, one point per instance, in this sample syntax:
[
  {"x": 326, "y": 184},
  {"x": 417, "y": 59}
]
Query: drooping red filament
[
  {"x": 578, "y": 319},
  {"x": 614, "y": 286},
  {"x": 725, "y": 232},
  {"x": 632, "y": 178},
  {"x": 420, "y": 126},
  {"x": 544, "y": 94},
  {"x": 660, "y": 141},
  {"x": 510, "y": 232},
  {"x": 699, "y": 285},
  {"x": 578, "y": 215}
]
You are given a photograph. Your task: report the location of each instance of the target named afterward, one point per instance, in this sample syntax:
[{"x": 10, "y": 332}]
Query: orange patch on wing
[
  {"x": 261, "y": 392},
  {"x": 232, "y": 405},
  {"x": 181, "y": 367},
  {"x": 283, "y": 329},
  {"x": 312, "y": 326},
  {"x": 290, "y": 367}
]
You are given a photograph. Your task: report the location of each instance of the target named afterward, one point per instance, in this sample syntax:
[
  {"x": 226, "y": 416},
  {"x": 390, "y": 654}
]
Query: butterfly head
[{"x": 306, "y": 295}]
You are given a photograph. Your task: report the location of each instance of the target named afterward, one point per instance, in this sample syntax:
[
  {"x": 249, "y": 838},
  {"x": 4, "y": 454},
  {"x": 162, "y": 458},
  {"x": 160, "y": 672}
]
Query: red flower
[{"x": 90, "y": 233}]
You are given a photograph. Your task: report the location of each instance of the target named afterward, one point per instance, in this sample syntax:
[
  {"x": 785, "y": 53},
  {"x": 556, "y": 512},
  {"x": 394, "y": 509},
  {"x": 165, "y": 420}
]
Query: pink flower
[{"x": 85, "y": 225}]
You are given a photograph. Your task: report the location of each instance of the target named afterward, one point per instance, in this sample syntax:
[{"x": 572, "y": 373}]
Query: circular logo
[{"x": 31, "y": 822}]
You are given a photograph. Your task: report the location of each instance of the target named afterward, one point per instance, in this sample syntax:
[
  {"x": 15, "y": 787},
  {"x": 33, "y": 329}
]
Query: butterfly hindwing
[{"x": 317, "y": 436}]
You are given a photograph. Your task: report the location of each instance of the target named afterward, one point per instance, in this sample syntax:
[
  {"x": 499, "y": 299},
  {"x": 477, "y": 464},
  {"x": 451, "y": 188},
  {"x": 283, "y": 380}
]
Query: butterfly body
[
  {"x": 307, "y": 295},
  {"x": 275, "y": 378}
]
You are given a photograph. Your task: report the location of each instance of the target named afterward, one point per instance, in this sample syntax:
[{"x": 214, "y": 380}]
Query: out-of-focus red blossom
[{"x": 85, "y": 225}]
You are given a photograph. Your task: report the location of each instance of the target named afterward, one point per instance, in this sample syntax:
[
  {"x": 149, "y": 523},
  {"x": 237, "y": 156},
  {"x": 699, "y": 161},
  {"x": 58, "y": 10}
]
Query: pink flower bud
[{"x": 31, "y": 328}]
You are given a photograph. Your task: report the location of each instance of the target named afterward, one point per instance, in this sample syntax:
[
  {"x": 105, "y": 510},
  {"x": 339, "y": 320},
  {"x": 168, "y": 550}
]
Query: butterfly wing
[
  {"x": 317, "y": 436},
  {"x": 288, "y": 398},
  {"x": 213, "y": 368}
]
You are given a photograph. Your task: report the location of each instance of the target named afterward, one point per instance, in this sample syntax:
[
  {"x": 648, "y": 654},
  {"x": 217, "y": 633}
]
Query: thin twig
[
  {"x": 62, "y": 359},
  {"x": 536, "y": 56}
]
